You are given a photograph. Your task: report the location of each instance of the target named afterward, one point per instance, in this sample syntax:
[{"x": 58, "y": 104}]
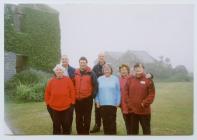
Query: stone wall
[{"x": 9, "y": 65}]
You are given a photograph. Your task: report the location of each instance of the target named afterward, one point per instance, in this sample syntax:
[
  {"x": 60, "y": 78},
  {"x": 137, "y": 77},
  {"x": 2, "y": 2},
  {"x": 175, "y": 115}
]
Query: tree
[
  {"x": 181, "y": 69},
  {"x": 167, "y": 60},
  {"x": 161, "y": 58}
]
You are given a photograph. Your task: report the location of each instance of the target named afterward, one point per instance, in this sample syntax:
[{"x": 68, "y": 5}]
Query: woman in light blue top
[{"x": 108, "y": 99}]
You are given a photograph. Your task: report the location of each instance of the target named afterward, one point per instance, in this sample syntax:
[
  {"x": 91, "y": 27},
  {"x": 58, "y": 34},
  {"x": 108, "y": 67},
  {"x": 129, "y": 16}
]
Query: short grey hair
[
  {"x": 59, "y": 66},
  {"x": 64, "y": 56}
]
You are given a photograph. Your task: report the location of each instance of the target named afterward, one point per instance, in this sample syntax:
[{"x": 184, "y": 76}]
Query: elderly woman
[
  {"x": 60, "y": 97},
  {"x": 108, "y": 99}
]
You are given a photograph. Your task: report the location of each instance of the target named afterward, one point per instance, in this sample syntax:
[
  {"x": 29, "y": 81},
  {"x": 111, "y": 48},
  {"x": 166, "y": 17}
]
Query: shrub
[
  {"x": 30, "y": 93},
  {"x": 28, "y": 85},
  {"x": 22, "y": 91},
  {"x": 180, "y": 77},
  {"x": 37, "y": 93}
]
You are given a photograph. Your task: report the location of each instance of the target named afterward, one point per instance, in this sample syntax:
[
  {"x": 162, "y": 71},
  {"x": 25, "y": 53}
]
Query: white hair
[
  {"x": 64, "y": 56},
  {"x": 59, "y": 66}
]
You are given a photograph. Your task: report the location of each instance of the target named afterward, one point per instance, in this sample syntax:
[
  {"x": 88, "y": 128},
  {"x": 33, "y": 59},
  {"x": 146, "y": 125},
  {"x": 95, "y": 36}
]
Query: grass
[{"x": 172, "y": 113}]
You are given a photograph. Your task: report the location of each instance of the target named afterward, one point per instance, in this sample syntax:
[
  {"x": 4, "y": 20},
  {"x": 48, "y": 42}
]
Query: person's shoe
[{"x": 95, "y": 129}]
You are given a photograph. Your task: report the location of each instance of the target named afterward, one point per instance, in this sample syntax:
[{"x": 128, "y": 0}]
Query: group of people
[{"x": 77, "y": 89}]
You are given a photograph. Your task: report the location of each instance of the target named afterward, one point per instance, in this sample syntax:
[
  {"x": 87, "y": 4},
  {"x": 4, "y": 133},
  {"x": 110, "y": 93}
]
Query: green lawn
[{"x": 172, "y": 113}]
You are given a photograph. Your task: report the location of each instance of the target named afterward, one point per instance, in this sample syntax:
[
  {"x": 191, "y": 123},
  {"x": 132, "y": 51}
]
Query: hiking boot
[{"x": 95, "y": 129}]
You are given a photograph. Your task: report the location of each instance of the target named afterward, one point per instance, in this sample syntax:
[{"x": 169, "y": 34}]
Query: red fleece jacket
[
  {"x": 139, "y": 91},
  {"x": 124, "y": 107},
  {"x": 60, "y": 93},
  {"x": 83, "y": 84}
]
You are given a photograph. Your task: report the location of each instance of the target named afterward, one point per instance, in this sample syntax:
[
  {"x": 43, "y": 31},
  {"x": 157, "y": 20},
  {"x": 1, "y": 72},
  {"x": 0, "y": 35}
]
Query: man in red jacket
[
  {"x": 140, "y": 93},
  {"x": 86, "y": 87}
]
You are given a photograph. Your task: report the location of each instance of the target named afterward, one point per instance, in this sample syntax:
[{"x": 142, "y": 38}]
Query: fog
[{"x": 160, "y": 30}]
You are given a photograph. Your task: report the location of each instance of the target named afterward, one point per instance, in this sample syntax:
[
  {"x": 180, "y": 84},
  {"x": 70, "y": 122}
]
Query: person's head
[
  {"x": 83, "y": 63},
  {"x": 101, "y": 58},
  {"x": 124, "y": 70},
  {"x": 107, "y": 70},
  {"x": 64, "y": 60},
  {"x": 139, "y": 69},
  {"x": 59, "y": 71}
]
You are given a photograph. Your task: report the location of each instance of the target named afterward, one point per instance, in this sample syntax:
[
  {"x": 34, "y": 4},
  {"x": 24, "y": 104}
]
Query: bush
[
  {"x": 180, "y": 77},
  {"x": 30, "y": 93},
  {"x": 38, "y": 92},
  {"x": 28, "y": 85},
  {"x": 22, "y": 91}
]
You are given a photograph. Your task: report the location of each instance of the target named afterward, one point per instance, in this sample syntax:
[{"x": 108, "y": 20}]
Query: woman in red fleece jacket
[
  {"x": 139, "y": 95},
  {"x": 124, "y": 75},
  {"x": 60, "y": 98}
]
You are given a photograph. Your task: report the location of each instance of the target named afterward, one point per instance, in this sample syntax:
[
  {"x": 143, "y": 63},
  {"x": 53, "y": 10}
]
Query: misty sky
[{"x": 161, "y": 30}]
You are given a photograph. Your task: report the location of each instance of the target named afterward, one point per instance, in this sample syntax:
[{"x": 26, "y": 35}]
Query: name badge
[{"x": 142, "y": 82}]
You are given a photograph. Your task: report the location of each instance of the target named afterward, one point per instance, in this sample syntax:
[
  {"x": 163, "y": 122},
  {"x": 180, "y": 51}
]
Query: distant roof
[{"x": 141, "y": 55}]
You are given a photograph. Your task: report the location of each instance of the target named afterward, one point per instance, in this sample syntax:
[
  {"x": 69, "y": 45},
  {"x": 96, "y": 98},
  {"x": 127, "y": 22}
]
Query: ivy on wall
[{"x": 39, "y": 37}]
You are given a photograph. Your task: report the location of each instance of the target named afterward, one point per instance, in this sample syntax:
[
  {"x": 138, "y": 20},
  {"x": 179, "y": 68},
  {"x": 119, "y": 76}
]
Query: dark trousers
[
  {"x": 50, "y": 113},
  {"x": 108, "y": 115},
  {"x": 62, "y": 120},
  {"x": 144, "y": 120},
  {"x": 127, "y": 122},
  {"x": 97, "y": 117},
  {"x": 83, "y": 110}
]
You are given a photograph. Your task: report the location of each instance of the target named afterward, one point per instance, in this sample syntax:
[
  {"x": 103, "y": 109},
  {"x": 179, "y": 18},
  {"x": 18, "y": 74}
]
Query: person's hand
[
  {"x": 97, "y": 105},
  {"x": 142, "y": 104},
  {"x": 148, "y": 76}
]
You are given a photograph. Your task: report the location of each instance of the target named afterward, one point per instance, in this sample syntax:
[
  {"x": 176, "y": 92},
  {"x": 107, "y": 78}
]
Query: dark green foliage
[
  {"x": 28, "y": 92},
  {"x": 165, "y": 72},
  {"x": 28, "y": 85},
  {"x": 39, "y": 37}
]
